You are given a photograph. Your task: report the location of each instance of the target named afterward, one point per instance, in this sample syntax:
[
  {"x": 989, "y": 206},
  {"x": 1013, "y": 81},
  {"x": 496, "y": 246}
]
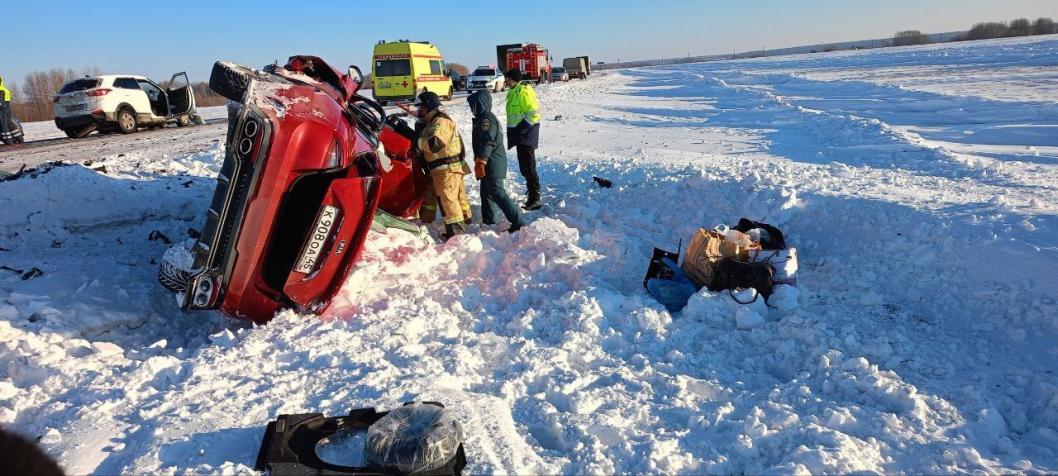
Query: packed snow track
[{"x": 920, "y": 186}]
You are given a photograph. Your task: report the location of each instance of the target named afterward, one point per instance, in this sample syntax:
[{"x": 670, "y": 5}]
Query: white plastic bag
[{"x": 784, "y": 262}]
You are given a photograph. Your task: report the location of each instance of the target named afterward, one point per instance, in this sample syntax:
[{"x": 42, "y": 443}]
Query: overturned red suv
[{"x": 308, "y": 163}]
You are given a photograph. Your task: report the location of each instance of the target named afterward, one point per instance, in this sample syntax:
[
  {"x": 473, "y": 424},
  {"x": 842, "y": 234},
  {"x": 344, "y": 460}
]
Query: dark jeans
[
  {"x": 527, "y": 165},
  {"x": 493, "y": 194}
]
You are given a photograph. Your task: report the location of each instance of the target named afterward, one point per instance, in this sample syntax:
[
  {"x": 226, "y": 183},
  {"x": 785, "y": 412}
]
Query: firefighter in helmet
[{"x": 443, "y": 151}]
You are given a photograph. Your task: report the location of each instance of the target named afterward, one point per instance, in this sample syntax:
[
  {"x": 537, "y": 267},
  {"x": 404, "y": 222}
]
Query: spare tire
[
  {"x": 230, "y": 80},
  {"x": 415, "y": 438},
  {"x": 174, "y": 271}
]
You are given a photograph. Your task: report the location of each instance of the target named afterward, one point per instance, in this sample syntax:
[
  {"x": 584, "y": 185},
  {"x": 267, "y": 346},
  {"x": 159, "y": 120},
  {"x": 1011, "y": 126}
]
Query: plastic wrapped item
[
  {"x": 414, "y": 438},
  {"x": 784, "y": 262}
]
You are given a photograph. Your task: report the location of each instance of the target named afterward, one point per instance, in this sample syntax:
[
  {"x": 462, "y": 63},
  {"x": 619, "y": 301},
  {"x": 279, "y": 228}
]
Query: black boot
[
  {"x": 533, "y": 203},
  {"x": 454, "y": 229}
]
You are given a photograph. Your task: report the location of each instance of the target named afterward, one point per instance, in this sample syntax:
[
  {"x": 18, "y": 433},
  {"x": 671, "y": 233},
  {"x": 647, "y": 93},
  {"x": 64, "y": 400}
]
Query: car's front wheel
[{"x": 126, "y": 120}]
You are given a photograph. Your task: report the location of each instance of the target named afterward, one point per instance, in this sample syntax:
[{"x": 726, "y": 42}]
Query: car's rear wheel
[
  {"x": 126, "y": 120},
  {"x": 231, "y": 80}
]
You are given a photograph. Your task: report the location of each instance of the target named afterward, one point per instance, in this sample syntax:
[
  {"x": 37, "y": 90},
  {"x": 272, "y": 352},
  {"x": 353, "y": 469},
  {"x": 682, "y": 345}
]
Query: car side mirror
[
  {"x": 355, "y": 74},
  {"x": 352, "y": 81}
]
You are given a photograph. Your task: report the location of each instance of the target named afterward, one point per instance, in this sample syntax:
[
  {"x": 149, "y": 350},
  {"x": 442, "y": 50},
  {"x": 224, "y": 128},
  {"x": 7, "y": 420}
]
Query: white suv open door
[{"x": 181, "y": 97}]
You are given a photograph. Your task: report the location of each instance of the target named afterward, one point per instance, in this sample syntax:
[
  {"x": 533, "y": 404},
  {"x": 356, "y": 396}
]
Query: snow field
[{"x": 919, "y": 339}]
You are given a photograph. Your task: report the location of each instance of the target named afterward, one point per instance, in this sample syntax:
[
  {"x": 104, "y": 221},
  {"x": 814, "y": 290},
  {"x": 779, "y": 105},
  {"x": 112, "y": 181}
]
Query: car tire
[
  {"x": 451, "y": 94},
  {"x": 230, "y": 80},
  {"x": 171, "y": 274},
  {"x": 126, "y": 120}
]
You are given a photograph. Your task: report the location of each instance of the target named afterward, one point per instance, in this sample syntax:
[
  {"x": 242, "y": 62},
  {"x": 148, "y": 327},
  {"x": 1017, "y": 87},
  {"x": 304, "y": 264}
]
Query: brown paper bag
[{"x": 707, "y": 249}]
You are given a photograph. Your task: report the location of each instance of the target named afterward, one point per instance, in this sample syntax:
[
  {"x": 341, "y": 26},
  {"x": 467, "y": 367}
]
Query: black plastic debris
[
  {"x": 424, "y": 429},
  {"x": 159, "y": 236},
  {"x": 26, "y": 275},
  {"x": 604, "y": 183}
]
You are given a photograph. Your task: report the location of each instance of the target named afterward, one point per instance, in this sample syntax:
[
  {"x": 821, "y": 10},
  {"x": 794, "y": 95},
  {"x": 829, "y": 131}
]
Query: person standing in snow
[
  {"x": 490, "y": 163},
  {"x": 442, "y": 149},
  {"x": 7, "y": 124},
  {"x": 523, "y": 132}
]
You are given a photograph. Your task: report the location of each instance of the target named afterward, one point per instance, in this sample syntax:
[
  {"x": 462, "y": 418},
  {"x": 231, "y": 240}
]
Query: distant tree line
[
  {"x": 983, "y": 31},
  {"x": 1019, "y": 27},
  {"x": 910, "y": 37},
  {"x": 33, "y": 99}
]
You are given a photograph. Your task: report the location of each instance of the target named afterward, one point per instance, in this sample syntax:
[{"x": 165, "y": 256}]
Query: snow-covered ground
[{"x": 920, "y": 186}]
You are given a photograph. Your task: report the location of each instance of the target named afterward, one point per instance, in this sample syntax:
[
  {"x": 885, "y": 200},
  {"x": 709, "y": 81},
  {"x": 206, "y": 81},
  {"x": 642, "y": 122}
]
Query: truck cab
[{"x": 532, "y": 60}]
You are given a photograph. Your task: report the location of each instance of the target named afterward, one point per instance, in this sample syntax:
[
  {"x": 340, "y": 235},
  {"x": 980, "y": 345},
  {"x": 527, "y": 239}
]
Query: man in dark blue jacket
[{"x": 490, "y": 163}]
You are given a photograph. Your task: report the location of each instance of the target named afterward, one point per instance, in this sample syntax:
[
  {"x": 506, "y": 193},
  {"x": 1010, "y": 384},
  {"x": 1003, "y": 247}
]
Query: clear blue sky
[{"x": 157, "y": 38}]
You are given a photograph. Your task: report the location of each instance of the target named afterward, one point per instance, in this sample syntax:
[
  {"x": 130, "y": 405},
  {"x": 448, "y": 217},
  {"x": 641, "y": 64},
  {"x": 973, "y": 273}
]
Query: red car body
[{"x": 303, "y": 175}]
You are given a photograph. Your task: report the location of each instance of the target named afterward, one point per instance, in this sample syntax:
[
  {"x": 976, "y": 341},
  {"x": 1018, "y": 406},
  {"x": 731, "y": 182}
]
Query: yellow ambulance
[{"x": 402, "y": 69}]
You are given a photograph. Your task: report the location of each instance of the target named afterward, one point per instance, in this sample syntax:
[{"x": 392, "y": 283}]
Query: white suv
[
  {"x": 486, "y": 78},
  {"x": 122, "y": 102}
]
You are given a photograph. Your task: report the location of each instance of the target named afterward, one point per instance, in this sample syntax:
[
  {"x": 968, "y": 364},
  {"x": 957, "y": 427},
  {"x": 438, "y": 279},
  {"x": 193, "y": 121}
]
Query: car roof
[
  {"x": 135, "y": 76},
  {"x": 112, "y": 76}
]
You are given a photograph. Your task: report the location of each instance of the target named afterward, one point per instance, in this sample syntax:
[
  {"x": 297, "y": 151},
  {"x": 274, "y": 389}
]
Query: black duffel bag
[{"x": 732, "y": 274}]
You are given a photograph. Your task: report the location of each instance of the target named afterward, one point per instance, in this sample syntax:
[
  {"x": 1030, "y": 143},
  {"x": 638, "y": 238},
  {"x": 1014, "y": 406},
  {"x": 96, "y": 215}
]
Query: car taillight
[
  {"x": 334, "y": 156},
  {"x": 97, "y": 92}
]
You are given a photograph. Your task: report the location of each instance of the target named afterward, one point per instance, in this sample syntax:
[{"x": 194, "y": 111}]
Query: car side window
[
  {"x": 435, "y": 67},
  {"x": 126, "y": 83},
  {"x": 151, "y": 90}
]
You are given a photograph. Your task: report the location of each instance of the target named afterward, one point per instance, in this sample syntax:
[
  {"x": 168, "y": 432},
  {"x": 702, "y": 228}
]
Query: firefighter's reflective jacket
[
  {"x": 5, "y": 94},
  {"x": 440, "y": 142},
  {"x": 523, "y": 117}
]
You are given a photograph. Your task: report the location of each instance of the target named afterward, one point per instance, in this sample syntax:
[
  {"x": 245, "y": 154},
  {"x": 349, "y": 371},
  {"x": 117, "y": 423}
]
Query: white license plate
[
  {"x": 317, "y": 238},
  {"x": 385, "y": 85}
]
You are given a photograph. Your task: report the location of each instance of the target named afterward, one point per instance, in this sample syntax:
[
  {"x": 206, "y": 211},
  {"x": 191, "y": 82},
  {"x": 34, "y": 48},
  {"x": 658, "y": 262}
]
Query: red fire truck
[{"x": 532, "y": 60}]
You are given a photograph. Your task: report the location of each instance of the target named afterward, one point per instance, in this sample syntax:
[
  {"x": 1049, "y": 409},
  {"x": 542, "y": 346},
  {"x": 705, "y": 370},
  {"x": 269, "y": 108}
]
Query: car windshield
[
  {"x": 484, "y": 72},
  {"x": 559, "y": 70},
  {"x": 79, "y": 85},
  {"x": 392, "y": 68}
]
